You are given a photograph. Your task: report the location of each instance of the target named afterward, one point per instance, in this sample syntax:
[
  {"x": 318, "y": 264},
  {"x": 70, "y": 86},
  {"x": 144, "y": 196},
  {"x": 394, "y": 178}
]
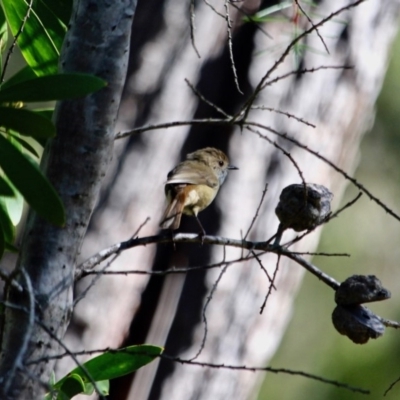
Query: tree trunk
[
  {"x": 34, "y": 321},
  {"x": 168, "y": 311}
]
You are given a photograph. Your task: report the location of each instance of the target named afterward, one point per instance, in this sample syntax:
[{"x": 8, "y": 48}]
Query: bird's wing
[{"x": 184, "y": 174}]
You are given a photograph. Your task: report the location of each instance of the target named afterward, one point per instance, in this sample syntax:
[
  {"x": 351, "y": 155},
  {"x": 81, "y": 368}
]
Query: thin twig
[
  {"x": 141, "y": 226},
  {"x": 260, "y": 86},
  {"x": 286, "y": 153},
  {"x": 208, "y": 300},
  {"x": 5, "y": 276},
  {"x": 250, "y": 20},
  {"x": 14, "y": 43},
  {"x": 347, "y": 205},
  {"x": 173, "y": 124},
  {"x": 266, "y": 369},
  {"x": 330, "y": 216},
  {"x": 264, "y": 192},
  {"x": 60, "y": 343},
  {"x": 19, "y": 358},
  {"x": 214, "y": 366},
  {"x": 326, "y": 161},
  {"x": 214, "y": 9},
  {"x": 94, "y": 280},
  {"x": 208, "y": 239},
  {"x": 306, "y": 71},
  {"x": 272, "y": 285},
  {"x": 284, "y": 113},
  {"x": 271, "y": 280},
  {"x": 208, "y": 102},
  {"x": 229, "y": 29},
  {"x": 171, "y": 271},
  {"x": 193, "y": 27},
  {"x": 309, "y": 253},
  {"x": 312, "y": 24}
]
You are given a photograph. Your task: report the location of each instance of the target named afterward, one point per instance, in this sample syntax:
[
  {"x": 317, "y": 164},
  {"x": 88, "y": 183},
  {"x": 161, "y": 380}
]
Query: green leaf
[
  {"x": 11, "y": 248},
  {"x": 72, "y": 386},
  {"x": 102, "y": 386},
  {"x": 40, "y": 39},
  {"x": 23, "y": 74},
  {"x": 27, "y": 146},
  {"x": 2, "y": 243},
  {"x": 26, "y": 122},
  {"x": 61, "y": 8},
  {"x": 3, "y": 31},
  {"x": 52, "y": 87},
  {"x": 5, "y": 188},
  {"x": 27, "y": 178},
  {"x": 116, "y": 363},
  {"x": 14, "y": 205},
  {"x": 6, "y": 224},
  {"x": 259, "y": 16},
  {"x": 45, "y": 112}
]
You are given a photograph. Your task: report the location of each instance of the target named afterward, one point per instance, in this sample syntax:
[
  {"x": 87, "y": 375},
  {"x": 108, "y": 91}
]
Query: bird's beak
[{"x": 232, "y": 167}]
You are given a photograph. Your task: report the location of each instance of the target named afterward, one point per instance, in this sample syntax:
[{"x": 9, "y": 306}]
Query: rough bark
[
  {"x": 341, "y": 105},
  {"x": 75, "y": 162}
]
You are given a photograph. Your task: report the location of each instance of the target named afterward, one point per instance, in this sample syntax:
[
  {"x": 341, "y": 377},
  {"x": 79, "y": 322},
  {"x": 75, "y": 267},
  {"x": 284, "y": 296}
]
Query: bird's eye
[{"x": 221, "y": 163}]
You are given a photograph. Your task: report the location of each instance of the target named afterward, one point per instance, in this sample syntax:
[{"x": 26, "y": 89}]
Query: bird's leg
[
  {"x": 278, "y": 235},
  {"x": 173, "y": 238},
  {"x": 202, "y": 232}
]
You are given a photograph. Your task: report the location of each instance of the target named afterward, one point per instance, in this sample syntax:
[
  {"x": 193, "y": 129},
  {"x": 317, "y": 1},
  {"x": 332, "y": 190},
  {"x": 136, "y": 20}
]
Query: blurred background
[{"x": 311, "y": 343}]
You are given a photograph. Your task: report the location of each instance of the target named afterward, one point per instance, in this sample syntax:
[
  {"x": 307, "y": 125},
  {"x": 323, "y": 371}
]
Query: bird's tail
[{"x": 173, "y": 213}]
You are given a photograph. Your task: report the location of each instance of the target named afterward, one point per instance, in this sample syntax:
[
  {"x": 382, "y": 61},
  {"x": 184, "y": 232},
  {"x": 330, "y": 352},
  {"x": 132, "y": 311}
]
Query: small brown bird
[{"x": 193, "y": 184}]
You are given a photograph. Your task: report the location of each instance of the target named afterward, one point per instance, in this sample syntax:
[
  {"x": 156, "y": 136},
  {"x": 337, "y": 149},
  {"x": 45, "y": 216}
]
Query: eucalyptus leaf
[
  {"x": 27, "y": 178},
  {"x": 39, "y": 46},
  {"x": 11, "y": 248},
  {"x": 115, "y": 363},
  {"x": 61, "y": 8},
  {"x": 2, "y": 242},
  {"x": 5, "y": 188},
  {"x": 23, "y": 74},
  {"x": 26, "y": 122},
  {"x": 3, "y": 31},
  {"x": 27, "y": 146},
  {"x": 72, "y": 386},
  {"x": 14, "y": 205},
  {"x": 52, "y": 87},
  {"x": 6, "y": 224}
]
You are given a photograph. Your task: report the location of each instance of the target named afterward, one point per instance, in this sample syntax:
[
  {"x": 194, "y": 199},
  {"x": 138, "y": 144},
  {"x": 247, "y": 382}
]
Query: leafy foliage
[
  {"x": 99, "y": 370},
  {"x": 39, "y": 31}
]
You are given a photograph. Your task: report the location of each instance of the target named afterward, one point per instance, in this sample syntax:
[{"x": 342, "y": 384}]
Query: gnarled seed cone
[
  {"x": 360, "y": 289},
  {"x": 358, "y": 323},
  {"x": 303, "y": 207}
]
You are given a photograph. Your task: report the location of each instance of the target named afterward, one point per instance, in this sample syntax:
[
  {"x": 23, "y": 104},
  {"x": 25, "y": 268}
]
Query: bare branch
[
  {"x": 326, "y": 161},
  {"x": 271, "y": 286},
  {"x": 312, "y": 24},
  {"x": 257, "y": 211},
  {"x": 193, "y": 27},
  {"x": 208, "y": 102},
  {"x": 208, "y": 239},
  {"x": 261, "y": 84},
  {"x": 229, "y": 29},
  {"x": 266, "y": 369},
  {"x": 284, "y": 113},
  {"x": 286, "y": 153},
  {"x": 208, "y": 300},
  {"x": 18, "y": 361},
  {"x": 14, "y": 42}
]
